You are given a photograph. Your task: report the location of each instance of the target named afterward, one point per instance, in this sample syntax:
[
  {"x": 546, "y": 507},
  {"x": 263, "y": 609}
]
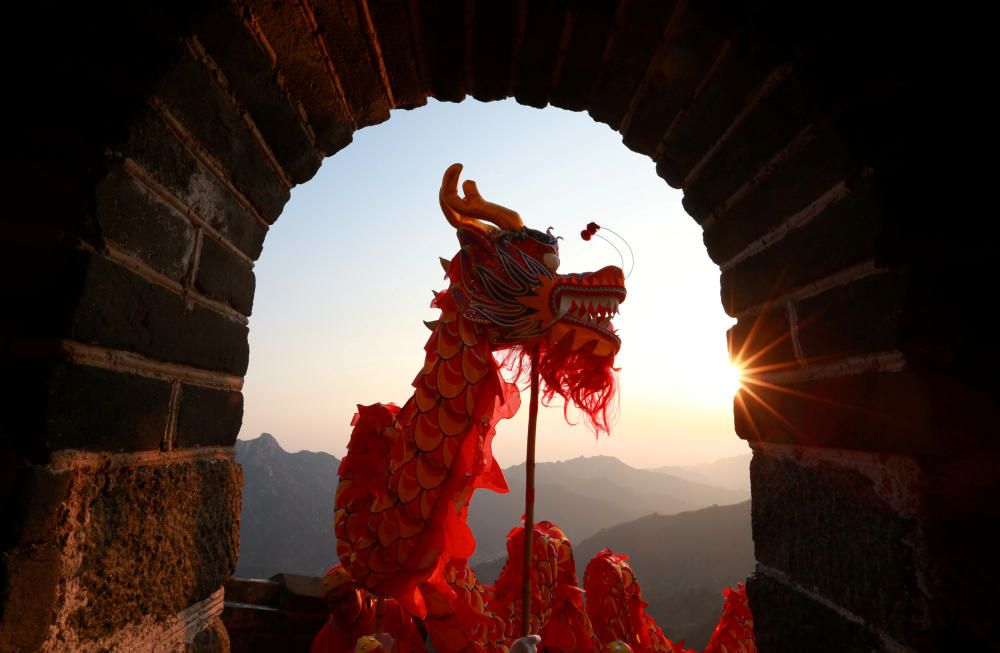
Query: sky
[{"x": 345, "y": 279}]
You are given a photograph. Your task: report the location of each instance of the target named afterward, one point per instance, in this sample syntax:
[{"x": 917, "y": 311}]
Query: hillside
[
  {"x": 683, "y": 562},
  {"x": 732, "y": 473},
  {"x": 286, "y": 524},
  {"x": 287, "y": 518},
  {"x": 584, "y": 495}
]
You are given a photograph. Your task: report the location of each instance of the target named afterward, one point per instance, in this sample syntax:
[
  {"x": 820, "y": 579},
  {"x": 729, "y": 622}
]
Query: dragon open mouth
[
  {"x": 585, "y": 303},
  {"x": 592, "y": 309}
]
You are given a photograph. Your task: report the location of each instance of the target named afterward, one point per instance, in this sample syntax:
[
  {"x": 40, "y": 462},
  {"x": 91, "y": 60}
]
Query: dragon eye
[{"x": 551, "y": 261}]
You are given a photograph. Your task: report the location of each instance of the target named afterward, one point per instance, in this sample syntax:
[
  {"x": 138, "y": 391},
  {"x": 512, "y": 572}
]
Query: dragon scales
[{"x": 409, "y": 474}]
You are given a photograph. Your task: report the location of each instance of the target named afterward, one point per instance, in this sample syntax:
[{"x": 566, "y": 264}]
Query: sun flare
[{"x": 732, "y": 379}]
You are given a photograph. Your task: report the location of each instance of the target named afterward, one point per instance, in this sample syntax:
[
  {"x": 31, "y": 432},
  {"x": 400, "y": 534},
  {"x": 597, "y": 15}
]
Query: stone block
[
  {"x": 121, "y": 310},
  {"x": 94, "y": 409},
  {"x": 394, "y": 32},
  {"x": 624, "y": 67},
  {"x": 46, "y": 276},
  {"x": 857, "y": 318},
  {"x": 763, "y": 341},
  {"x": 846, "y": 233},
  {"x": 305, "y": 73},
  {"x": 492, "y": 49},
  {"x": 828, "y": 529},
  {"x": 592, "y": 23},
  {"x": 157, "y": 539},
  {"x": 161, "y": 155},
  {"x": 253, "y": 81},
  {"x": 740, "y": 73},
  {"x": 144, "y": 226},
  {"x": 32, "y": 507},
  {"x": 28, "y": 594},
  {"x": 791, "y": 187},
  {"x": 208, "y": 417},
  {"x": 197, "y": 101},
  {"x": 538, "y": 51},
  {"x": 212, "y": 639},
  {"x": 346, "y": 41},
  {"x": 442, "y": 28},
  {"x": 224, "y": 276},
  {"x": 903, "y": 412},
  {"x": 771, "y": 127},
  {"x": 252, "y": 591},
  {"x": 788, "y": 621}
]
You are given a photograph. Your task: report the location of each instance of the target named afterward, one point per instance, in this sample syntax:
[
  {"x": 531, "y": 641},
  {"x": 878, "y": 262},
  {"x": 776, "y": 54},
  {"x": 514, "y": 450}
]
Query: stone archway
[{"x": 155, "y": 146}]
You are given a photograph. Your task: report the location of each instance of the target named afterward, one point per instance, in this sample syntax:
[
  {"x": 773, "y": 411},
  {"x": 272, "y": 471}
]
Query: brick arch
[{"x": 159, "y": 145}]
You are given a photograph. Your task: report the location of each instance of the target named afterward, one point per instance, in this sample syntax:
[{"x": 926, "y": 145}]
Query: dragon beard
[{"x": 580, "y": 377}]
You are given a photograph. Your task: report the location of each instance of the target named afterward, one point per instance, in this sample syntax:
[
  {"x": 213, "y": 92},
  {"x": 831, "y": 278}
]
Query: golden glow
[{"x": 733, "y": 379}]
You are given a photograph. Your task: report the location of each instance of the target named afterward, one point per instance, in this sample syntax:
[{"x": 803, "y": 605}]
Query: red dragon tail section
[
  {"x": 616, "y": 608},
  {"x": 734, "y": 633}
]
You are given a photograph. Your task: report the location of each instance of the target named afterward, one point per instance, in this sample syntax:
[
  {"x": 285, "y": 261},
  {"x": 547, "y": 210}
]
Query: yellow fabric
[{"x": 334, "y": 578}]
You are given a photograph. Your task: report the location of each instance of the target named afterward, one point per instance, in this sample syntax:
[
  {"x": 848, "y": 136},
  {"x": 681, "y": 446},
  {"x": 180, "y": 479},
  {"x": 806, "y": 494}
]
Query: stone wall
[{"x": 152, "y": 149}]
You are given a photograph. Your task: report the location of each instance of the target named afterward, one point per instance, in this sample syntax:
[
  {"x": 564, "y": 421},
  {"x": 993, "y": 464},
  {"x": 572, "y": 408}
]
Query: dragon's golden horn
[{"x": 464, "y": 211}]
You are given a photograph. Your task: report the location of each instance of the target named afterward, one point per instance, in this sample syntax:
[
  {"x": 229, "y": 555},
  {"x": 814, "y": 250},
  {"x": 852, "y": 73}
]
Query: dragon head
[{"x": 506, "y": 279}]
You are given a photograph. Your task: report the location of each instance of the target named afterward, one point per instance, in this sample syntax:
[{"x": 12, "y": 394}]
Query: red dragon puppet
[{"x": 410, "y": 471}]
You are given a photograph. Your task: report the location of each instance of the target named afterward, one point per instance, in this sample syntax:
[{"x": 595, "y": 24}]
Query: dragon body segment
[{"x": 410, "y": 471}]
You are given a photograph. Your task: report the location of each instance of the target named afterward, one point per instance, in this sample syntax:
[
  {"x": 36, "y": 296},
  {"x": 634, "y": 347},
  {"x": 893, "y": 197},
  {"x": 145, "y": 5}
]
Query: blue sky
[{"x": 346, "y": 275}]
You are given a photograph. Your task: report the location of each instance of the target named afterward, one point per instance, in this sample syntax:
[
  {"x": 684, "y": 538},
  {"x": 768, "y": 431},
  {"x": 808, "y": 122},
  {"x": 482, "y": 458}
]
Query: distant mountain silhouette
[
  {"x": 584, "y": 495},
  {"x": 732, "y": 473},
  {"x": 287, "y": 519},
  {"x": 683, "y": 562},
  {"x": 286, "y": 524}
]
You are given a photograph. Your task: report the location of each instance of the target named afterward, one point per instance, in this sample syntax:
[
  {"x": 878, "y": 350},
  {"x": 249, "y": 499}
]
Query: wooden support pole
[{"x": 529, "y": 498}]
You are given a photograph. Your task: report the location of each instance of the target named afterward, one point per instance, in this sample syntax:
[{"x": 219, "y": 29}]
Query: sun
[{"x": 732, "y": 379}]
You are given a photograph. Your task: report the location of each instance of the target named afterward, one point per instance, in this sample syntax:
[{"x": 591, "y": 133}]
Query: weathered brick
[
  {"x": 46, "y": 273},
  {"x": 249, "y": 74},
  {"x": 94, "y": 409},
  {"x": 847, "y": 232},
  {"x": 156, "y": 149},
  {"x": 30, "y": 583},
  {"x": 143, "y": 225},
  {"x": 826, "y": 528},
  {"x": 395, "y": 35},
  {"x": 92, "y": 71},
  {"x": 686, "y": 60},
  {"x": 36, "y": 495},
  {"x": 763, "y": 341},
  {"x": 904, "y": 412},
  {"x": 770, "y": 128},
  {"x": 592, "y": 23},
  {"x": 121, "y": 310},
  {"x": 797, "y": 182},
  {"x": 492, "y": 48},
  {"x": 442, "y": 29},
  {"x": 961, "y": 509},
  {"x": 783, "y": 619},
  {"x": 539, "y": 49},
  {"x": 212, "y": 639},
  {"x": 856, "y": 318},
  {"x": 343, "y": 32},
  {"x": 860, "y": 317},
  {"x": 725, "y": 95},
  {"x": 197, "y": 101},
  {"x": 224, "y": 276},
  {"x": 157, "y": 539},
  {"x": 55, "y": 189},
  {"x": 625, "y": 66},
  {"x": 208, "y": 417},
  {"x": 304, "y": 69}
]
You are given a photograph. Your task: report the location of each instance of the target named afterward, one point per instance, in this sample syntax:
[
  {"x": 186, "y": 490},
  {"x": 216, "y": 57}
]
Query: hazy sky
[{"x": 345, "y": 281}]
